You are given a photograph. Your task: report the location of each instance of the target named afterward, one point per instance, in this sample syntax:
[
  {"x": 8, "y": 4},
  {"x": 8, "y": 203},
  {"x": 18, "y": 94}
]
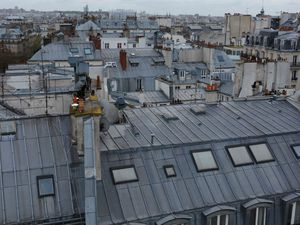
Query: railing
[{"x": 295, "y": 65}]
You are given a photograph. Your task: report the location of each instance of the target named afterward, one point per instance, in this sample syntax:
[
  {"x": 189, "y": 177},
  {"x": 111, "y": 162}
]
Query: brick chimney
[{"x": 123, "y": 59}]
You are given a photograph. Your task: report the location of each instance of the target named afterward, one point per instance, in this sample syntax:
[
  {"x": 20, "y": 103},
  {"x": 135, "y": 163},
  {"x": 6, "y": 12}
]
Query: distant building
[
  {"x": 237, "y": 27},
  {"x": 194, "y": 32},
  {"x": 135, "y": 70},
  {"x": 60, "y": 52},
  {"x": 277, "y": 48}
]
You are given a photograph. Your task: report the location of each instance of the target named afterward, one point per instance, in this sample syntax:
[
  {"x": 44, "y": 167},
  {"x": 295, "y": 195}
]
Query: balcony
[{"x": 295, "y": 66}]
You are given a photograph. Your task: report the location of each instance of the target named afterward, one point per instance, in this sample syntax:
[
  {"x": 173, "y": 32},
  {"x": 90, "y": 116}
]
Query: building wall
[
  {"x": 273, "y": 75},
  {"x": 162, "y": 86},
  {"x": 113, "y": 42},
  {"x": 191, "y": 55},
  {"x": 164, "y": 21},
  {"x": 279, "y": 56},
  {"x": 236, "y": 25},
  {"x": 262, "y": 23}
]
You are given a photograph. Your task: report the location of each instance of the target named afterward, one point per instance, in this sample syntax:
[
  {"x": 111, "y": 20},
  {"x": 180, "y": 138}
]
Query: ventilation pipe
[{"x": 152, "y": 138}]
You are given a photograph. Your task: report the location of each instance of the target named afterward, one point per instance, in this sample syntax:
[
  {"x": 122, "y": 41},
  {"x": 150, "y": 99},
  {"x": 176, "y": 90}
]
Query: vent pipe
[{"x": 152, "y": 138}]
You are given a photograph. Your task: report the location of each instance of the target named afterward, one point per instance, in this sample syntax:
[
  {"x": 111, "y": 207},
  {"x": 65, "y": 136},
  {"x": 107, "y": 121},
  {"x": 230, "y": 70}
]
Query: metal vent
[{"x": 198, "y": 109}]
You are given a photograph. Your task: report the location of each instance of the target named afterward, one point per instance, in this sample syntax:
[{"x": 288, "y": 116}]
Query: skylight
[
  {"x": 261, "y": 152},
  {"x": 204, "y": 160},
  {"x": 239, "y": 155},
  {"x": 170, "y": 171},
  {"x": 296, "y": 149},
  {"x": 74, "y": 50},
  {"x": 87, "y": 51},
  {"x": 124, "y": 174},
  {"x": 45, "y": 186}
]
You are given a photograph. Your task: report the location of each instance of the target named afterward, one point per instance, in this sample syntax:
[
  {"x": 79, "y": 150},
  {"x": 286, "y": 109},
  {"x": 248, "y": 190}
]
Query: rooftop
[
  {"x": 61, "y": 51},
  {"x": 223, "y": 121}
]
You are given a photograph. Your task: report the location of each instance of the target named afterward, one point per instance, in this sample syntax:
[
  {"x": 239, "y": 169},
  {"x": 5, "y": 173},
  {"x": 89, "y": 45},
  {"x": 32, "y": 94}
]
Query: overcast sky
[{"x": 202, "y": 7}]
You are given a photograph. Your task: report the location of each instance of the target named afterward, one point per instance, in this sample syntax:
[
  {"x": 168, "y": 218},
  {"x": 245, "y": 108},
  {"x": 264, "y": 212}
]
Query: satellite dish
[{"x": 104, "y": 124}]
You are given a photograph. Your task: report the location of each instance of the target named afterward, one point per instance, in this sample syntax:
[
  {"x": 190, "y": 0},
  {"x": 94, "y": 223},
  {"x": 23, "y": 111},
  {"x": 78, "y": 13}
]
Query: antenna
[
  {"x": 44, "y": 79},
  {"x": 262, "y": 11}
]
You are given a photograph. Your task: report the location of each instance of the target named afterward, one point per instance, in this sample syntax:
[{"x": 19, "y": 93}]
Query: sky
[{"x": 201, "y": 7}]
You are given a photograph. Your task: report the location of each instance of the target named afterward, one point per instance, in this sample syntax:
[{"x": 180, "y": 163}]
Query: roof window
[
  {"x": 124, "y": 174},
  {"x": 87, "y": 51},
  {"x": 204, "y": 160},
  {"x": 261, "y": 153},
  {"x": 296, "y": 149},
  {"x": 74, "y": 50},
  {"x": 239, "y": 155},
  {"x": 45, "y": 186},
  {"x": 170, "y": 171}
]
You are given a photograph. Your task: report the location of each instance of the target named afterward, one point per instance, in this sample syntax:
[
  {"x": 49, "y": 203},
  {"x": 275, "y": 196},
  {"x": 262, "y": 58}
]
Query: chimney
[{"x": 123, "y": 59}]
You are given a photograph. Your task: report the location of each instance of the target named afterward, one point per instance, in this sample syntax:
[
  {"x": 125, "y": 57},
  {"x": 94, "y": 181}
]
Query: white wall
[
  {"x": 249, "y": 76},
  {"x": 162, "y": 86},
  {"x": 166, "y": 22},
  {"x": 113, "y": 42}
]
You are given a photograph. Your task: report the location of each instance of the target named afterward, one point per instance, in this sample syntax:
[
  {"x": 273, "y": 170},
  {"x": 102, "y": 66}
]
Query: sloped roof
[
  {"x": 61, "y": 51},
  {"x": 155, "y": 195},
  {"x": 144, "y": 69},
  {"x": 41, "y": 146},
  {"x": 111, "y": 24},
  {"x": 227, "y": 88},
  {"x": 114, "y": 54},
  {"x": 227, "y": 120},
  {"x": 195, "y": 27},
  {"x": 221, "y": 60},
  {"x": 87, "y": 26}
]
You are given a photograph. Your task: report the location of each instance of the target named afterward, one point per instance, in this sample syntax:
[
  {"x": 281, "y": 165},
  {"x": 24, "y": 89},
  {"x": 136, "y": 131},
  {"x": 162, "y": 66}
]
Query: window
[
  {"x": 124, "y": 174},
  {"x": 261, "y": 153},
  {"x": 106, "y": 45},
  {"x": 294, "y": 75},
  {"x": 182, "y": 73},
  {"x": 204, "y": 160},
  {"x": 74, "y": 50},
  {"x": 188, "y": 87},
  {"x": 294, "y": 213},
  {"x": 45, "y": 186},
  {"x": 219, "y": 220},
  {"x": 239, "y": 155},
  {"x": 134, "y": 45},
  {"x": 139, "y": 84},
  {"x": 177, "y": 87},
  {"x": 170, "y": 171},
  {"x": 294, "y": 60},
  {"x": 119, "y": 45},
  {"x": 296, "y": 149},
  {"x": 258, "y": 216},
  {"x": 87, "y": 51}
]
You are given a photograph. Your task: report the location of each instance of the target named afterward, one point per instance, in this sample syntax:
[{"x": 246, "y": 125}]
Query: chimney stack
[{"x": 123, "y": 59}]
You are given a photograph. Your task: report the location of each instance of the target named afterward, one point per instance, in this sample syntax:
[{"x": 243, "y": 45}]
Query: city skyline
[{"x": 206, "y": 7}]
